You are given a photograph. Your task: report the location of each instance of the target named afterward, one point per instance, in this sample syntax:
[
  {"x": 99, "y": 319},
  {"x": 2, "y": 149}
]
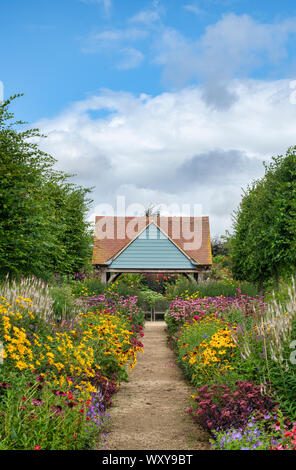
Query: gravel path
[{"x": 149, "y": 409}]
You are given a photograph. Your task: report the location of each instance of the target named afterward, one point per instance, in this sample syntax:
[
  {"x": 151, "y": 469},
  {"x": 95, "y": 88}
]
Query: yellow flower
[{"x": 21, "y": 365}]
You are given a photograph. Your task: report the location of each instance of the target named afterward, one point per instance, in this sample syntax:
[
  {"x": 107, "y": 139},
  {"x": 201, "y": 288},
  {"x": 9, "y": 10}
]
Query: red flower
[
  {"x": 5, "y": 385},
  {"x": 37, "y": 447}
]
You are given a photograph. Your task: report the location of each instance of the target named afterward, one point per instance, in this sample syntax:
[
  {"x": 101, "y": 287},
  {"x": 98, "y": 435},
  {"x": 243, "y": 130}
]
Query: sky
[{"x": 167, "y": 102}]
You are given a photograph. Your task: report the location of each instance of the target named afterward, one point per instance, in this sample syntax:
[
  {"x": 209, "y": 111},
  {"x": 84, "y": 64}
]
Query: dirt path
[{"x": 149, "y": 409}]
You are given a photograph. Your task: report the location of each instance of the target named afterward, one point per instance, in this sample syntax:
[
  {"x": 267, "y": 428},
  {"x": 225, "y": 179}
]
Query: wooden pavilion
[{"x": 151, "y": 245}]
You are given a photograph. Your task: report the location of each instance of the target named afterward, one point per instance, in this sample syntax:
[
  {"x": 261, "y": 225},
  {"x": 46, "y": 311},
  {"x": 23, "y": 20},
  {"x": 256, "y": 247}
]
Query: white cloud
[
  {"x": 119, "y": 43},
  {"x": 146, "y": 16},
  {"x": 131, "y": 58},
  {"x": 107, "y": 4},
  {"x": 194, "y": 9},
  {"x": 150, "y": 15},
  {"x": 234, "y": 46},
  {"x": 117, "y": 35},
  {"x": 174, "y": 148}
]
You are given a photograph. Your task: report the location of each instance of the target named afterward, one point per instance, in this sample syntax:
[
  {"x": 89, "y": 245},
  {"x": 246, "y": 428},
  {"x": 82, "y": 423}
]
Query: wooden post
[
  {"x": 112, "y": 277},
  {"x": 103, "y": 276},
  {"x": 200, "y": 276}
]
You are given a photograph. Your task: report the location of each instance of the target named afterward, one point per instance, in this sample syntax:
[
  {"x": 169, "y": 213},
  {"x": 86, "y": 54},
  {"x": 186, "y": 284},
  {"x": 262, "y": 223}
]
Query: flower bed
[
  {"x": 236, "y": 352},
  {"x": 205, "y": 348},
  {"x": 181, "y": 310},
  {"x": 57, "y": 379}
]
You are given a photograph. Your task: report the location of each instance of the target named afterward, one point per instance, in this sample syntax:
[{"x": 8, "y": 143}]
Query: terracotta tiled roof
[{"x": 109, "y": 247}]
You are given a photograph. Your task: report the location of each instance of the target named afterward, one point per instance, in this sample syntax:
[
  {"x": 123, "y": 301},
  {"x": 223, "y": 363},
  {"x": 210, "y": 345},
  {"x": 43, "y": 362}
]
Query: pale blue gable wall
[{"x": 152, "y": 249}]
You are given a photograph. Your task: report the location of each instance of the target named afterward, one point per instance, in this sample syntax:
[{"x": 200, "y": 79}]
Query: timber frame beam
[{"x": 109, "y": 275}]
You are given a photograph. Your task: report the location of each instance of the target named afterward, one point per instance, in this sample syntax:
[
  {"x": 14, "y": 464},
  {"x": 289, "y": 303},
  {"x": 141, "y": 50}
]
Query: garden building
[{"x": 151, "y": 245}]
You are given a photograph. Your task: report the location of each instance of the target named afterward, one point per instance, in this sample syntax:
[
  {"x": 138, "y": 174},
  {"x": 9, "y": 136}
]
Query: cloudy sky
[{"x": 161, "y": 101}]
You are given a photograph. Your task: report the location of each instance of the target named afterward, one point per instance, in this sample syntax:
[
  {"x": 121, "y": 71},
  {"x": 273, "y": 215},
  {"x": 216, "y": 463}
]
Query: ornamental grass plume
[
  {"x": 275, "y": 328},
  {"x": 29, "y": 293}
]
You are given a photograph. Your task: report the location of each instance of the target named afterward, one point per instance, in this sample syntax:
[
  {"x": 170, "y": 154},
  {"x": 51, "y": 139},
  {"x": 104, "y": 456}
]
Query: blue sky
[
  {"x": 85, "y": 65},
  {"x": 51, "y": 58}
]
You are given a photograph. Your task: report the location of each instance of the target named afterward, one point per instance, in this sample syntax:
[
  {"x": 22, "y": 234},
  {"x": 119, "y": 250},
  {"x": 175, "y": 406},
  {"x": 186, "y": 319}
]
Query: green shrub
[
  {"x": 121, "y": 289},
  {"x": 94, "y": 285},
  {"x": 131, "y": 280},
  {"x": 183, "y": 287},
  {"x": 247, "y": 288},
  {"x": 150, "y": 297},
  {"x": 221, "y": 268},
  {"x": 186, "y": 288},
  {"x": 65, "y": 306},
  {"x": 32, "y": 420},
  {"x": 225, "y": 288},
  {"x": 217, "y": 288}
]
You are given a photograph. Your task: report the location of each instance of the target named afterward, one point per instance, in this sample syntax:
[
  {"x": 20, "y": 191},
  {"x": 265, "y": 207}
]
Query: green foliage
[
  {"x": 131, "y": 280},
  {"x": 216, "y": 288},
  {"x": 26, "y": 425},
  {"x": 158, "y": 281},
  {"x": 263, "y": 245},
  {"x": 226, "y": 289},
  {"x": 185, "y": 288},
  {"x": 94, "y": 285},
  {"x": 221, "y": 268},
  {"x": 65, "y": 306},
  {"x": 219, "y": 246},
  {"x": 42, "y": 216},
  {"x": 121, "y": 289},
  {"x": 182, "y": 287},
  {"x": 172, "y": 326},
  {"x": 150, "y": 297}
]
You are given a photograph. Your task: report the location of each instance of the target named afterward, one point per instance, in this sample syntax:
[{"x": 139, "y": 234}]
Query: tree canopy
[
  {"x": 264, "y": 244},
  {"x": 43, "y": 227},
  {"x": 219, "y": 246}
]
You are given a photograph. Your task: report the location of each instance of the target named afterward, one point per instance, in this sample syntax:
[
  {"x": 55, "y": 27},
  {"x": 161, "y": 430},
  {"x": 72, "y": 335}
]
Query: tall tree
[
  {"x": 263, "y": 244},
  {"x": 37, "y": 204},
  {"x": 219, "y": 246}
]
